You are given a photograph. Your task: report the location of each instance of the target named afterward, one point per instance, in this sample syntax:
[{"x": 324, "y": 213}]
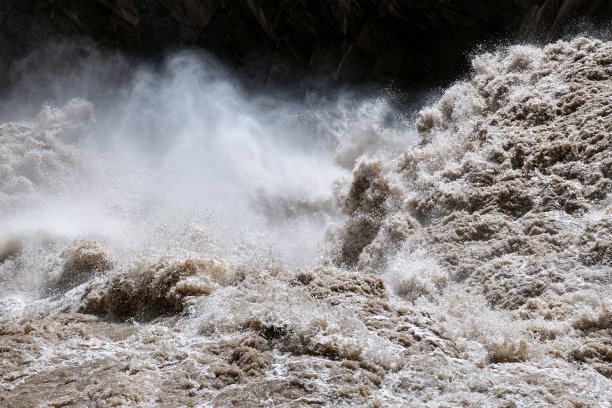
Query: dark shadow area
[{"x": 314, "y": 44}]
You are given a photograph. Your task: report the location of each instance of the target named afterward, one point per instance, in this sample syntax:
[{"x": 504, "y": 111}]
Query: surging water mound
[
  {"x": 81, "y": 262},
  {"x": 507, "y": 193},
  {"x": 151, "y": 289}
]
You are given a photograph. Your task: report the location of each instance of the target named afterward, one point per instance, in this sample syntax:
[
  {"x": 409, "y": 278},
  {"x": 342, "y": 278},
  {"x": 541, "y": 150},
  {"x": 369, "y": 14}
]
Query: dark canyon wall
[{"x": 410, "y": 41}]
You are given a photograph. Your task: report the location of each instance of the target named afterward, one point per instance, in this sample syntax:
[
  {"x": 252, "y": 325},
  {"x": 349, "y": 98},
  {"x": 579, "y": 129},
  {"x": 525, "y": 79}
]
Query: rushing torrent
[{"x": 193, "y": 246}]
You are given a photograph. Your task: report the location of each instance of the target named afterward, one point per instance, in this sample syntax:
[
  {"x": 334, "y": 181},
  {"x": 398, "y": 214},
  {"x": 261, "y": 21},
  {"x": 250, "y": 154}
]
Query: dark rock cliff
[{"x": 409, "y": 41}]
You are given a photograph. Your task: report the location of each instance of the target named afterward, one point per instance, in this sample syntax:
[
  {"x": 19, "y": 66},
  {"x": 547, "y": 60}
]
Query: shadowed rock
[{"x": 408, "y": 41}]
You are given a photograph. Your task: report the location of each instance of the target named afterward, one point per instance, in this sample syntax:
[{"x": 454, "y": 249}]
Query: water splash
[{"x": 192, "y": 244}]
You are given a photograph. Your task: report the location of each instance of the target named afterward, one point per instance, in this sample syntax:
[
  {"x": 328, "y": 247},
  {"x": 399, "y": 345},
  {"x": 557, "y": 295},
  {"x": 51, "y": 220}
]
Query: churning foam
[{"x": 192, "y": 245}]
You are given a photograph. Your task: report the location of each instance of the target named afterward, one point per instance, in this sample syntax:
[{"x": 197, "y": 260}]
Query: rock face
[{"x": 410, "y": 41}]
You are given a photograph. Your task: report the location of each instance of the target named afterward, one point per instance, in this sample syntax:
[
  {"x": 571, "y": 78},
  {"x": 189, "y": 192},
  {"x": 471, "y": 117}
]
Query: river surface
[{"x": 185, "y": 244}]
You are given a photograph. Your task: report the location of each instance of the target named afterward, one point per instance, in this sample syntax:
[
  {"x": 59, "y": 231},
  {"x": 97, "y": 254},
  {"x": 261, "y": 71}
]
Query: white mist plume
[{"x": 184, "y": 152}]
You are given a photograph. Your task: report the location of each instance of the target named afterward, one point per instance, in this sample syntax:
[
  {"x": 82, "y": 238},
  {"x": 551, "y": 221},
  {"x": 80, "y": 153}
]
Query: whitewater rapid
[{"x": 189, "y": 244}]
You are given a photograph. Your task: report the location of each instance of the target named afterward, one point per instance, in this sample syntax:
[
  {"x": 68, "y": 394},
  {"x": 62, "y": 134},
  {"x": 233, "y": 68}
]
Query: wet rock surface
[{"x": 278, "y": 42}]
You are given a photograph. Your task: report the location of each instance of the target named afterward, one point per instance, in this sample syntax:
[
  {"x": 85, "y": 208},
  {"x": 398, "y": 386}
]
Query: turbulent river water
[{"x": 185, "y": 244}]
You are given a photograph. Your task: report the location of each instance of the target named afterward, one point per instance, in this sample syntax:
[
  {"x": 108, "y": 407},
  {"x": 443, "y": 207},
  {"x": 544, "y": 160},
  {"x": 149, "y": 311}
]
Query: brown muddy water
[{"x": 189, "y": 246}]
